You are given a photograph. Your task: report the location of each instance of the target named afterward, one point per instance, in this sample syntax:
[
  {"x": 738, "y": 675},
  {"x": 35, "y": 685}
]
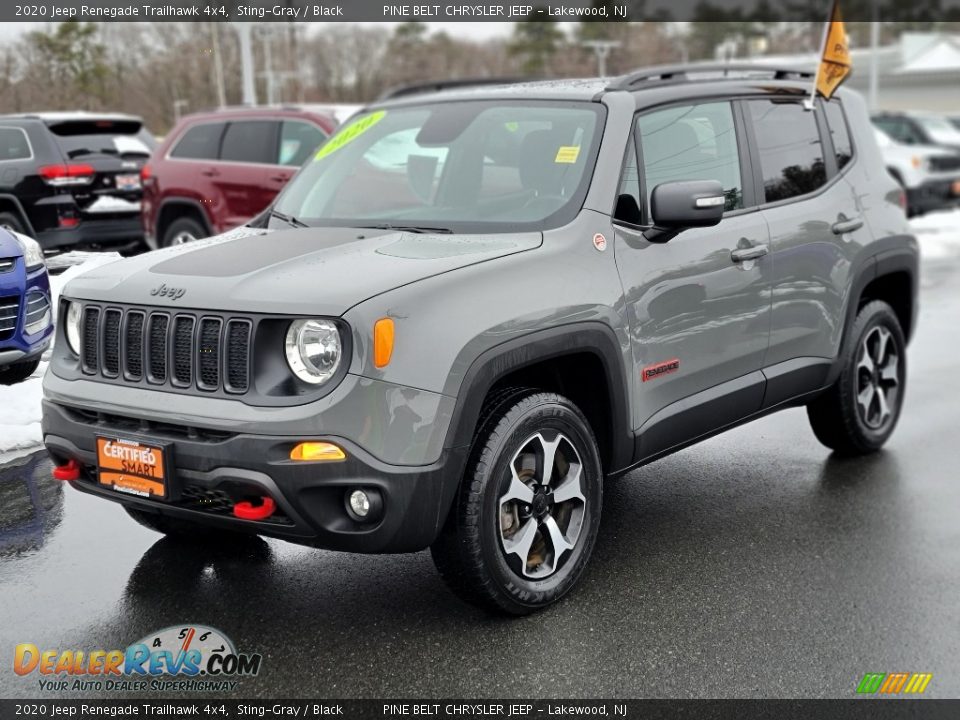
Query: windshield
[
  {"x": 124, "y": 138},
  {"x": 463, "y": 167},
  {"x": 940, "y": 129}
]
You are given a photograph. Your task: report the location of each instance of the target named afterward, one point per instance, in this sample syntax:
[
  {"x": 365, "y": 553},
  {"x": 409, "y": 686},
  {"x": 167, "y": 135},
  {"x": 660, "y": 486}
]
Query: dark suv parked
[
  {"x": 73, "y": 179},
  {"x": 472, "y": 307},
  {"x": 216, "y": 170}
]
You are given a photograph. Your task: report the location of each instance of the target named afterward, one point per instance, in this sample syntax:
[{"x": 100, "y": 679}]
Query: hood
[
  {"x": 320, "y": 271},
  {"x": 9, "y": 247}
]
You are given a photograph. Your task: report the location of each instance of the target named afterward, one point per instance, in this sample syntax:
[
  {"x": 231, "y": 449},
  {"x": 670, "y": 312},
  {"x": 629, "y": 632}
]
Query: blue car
[{"x": 25, "y": 310}]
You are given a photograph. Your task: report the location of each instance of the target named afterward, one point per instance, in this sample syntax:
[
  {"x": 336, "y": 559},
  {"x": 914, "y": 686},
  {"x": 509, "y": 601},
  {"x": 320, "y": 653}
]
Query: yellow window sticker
[
  {"x": 350, "y": 133},
  {"x": 512, "y": 126},
  {"x": 567, "y": 154}
]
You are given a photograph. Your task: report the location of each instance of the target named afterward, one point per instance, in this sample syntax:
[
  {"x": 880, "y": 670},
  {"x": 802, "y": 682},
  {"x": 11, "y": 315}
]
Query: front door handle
[
  {"x": 846, "y": 226},
  {"x": 210, "y": 172},
  {"x": 749, "y": 253}
]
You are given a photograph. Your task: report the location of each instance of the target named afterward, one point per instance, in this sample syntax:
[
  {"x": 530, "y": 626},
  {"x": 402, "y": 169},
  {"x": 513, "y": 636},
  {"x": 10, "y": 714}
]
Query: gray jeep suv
[{"x": 470, "y": 307}]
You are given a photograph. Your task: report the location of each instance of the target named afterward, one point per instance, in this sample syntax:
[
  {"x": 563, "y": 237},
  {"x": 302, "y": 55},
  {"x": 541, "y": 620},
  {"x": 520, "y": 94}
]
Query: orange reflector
[
  {"x": 317, "y": 451},
  {"x": 382, "y": 342}
]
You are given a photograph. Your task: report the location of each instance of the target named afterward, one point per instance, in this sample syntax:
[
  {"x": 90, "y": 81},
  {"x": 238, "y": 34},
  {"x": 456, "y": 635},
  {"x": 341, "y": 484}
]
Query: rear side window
[
  {"x": 791, "y": 154},
  {"x": 14, "y": 144},
  {"x": 201, "y": 142},
  {"x": 250, "y": 141},
  {"x": 838, "y": 131},
  {"x": 692, "y": 142},
  {"x": 297, "y": 141}
]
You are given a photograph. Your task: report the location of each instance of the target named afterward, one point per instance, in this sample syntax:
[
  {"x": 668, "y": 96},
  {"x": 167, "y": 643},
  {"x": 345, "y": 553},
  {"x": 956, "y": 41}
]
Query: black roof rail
[
  {"x": 682, "y": 73},
  {"x": 440, "y": 85}
]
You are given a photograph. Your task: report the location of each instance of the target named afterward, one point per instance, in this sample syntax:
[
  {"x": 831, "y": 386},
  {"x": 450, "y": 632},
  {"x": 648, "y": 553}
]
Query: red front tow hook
[
  {"x": 249, "y": 511},
  {"x": 70, "y": 471}
]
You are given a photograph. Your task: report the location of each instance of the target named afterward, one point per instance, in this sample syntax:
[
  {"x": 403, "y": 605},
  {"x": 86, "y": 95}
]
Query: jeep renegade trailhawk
[{"x": 469, "y": 307}]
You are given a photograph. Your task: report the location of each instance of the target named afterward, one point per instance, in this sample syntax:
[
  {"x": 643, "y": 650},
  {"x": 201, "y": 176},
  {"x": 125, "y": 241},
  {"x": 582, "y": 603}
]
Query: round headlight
[
  {"x": 313, "y": 350},
  {"x": 72, "y": 326}
]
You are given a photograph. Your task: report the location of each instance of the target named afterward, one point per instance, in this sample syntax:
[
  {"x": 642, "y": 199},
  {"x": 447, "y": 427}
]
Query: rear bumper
[
  {"x": 934, "y": 195},
  {"x": 211, "y": 471},
  {"x": 111, "y": 232}
]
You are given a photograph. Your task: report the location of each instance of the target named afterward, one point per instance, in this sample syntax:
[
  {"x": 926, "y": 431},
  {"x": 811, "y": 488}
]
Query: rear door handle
[
  {"x": 279, "y": 178},
  {"x": 749, "y": 253},
  {"x": 211, "y": 172},
  {"x": 846, "y": 226}
]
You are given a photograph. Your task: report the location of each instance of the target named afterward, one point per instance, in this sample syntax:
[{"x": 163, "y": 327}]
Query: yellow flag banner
[{"x": 835, "y": 64}]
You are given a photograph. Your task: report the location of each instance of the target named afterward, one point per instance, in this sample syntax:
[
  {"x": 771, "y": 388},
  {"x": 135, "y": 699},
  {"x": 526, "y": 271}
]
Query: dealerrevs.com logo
[{"x": 181, "y": 657}]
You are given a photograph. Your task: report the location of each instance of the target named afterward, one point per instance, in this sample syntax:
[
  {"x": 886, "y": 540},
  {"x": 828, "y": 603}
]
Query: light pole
[
  {"x": 872, "y": 96},
  {"x": 244, "y": 31},
  {"x": 602, "y": 49}
]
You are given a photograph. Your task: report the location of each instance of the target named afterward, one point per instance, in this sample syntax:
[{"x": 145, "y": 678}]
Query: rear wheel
[
  {"x": 9, "y": 221},
  {"x": 859, "y": 413},
  {"x": 528, "y": 510},
  {"x": 183, "y": 230},
  {"x": 174, "y": 527},
  {"x": 18, "y": 372}
]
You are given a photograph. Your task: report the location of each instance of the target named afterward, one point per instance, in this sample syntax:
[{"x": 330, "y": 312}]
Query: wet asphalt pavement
[{"x": 753, "y": 565}]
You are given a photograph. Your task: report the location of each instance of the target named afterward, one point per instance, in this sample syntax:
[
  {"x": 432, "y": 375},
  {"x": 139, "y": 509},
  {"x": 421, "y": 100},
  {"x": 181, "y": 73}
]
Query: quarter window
[
  {"x": 14, "y": 144},
  {"x": 838, "y": 131},
  {"x": 201, "y": 142},
  {"x": 791, "y": 154},
  {"x": 692, "y": 142},
  {"x": 250, "y": 141}
]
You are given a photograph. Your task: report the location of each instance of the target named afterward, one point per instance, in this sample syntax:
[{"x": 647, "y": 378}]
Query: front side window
[
  {"x": 298, "y": 140},
  {"x": 250, "y": 141},
  {"x": 13, "y": 144},
  {"x": 692, "y": 142},
  {"x": 791, "y": 154},
  {"x": 201, "y": 142},
  {"x": 484, "y": 164}
]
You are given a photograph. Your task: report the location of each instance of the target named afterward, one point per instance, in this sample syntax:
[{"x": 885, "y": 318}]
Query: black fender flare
[
  {"x": 15, "y": 201},
  {"x": 495, "y": 363},
  {"x": 195, "y": 204}
]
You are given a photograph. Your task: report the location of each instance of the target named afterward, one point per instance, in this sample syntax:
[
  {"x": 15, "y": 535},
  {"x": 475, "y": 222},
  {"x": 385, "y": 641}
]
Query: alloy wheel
[
  {"x": 878, "y": 378},
  {"x": 181, "y": 238},
  {"x": 542, "y": 510}
]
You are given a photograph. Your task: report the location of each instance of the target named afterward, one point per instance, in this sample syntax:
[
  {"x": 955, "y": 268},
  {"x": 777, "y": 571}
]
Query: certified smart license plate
[{"x": 132, "y": 467}]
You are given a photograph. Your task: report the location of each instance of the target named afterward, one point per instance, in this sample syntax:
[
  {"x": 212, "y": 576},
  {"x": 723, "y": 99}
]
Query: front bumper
[
  {"x": 934, "y": 195},
  {"x": 21, "y": 346},
  {"x": 211, "y": 471}
]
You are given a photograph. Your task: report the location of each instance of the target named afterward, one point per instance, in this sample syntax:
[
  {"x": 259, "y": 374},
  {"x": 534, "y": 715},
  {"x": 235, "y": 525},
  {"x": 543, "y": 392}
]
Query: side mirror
[{"x": 679, "y": 206}]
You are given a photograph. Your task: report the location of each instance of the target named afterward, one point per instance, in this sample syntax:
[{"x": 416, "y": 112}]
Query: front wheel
[
  {"x": 528, "y": 510},
  {"x": 18, "y": 372},
  {"x": 858, "y": 413}
]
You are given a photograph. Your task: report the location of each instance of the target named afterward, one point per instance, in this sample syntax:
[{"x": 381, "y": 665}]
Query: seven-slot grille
[
  {"x": 9, "y": 313},
  {"x": 181, "y": 350}
]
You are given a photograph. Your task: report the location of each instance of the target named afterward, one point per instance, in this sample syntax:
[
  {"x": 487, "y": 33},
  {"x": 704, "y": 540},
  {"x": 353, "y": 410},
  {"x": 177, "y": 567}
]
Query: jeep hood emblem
[{"x": 170, "y": 292}]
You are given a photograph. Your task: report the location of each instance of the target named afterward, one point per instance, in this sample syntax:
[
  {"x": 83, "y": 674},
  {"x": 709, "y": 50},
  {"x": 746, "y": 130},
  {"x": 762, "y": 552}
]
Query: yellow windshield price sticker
[
  {"x": 350, "y": 133},
  {"x": 567, "y": 154},
  {"x": 512, "y": 126}
]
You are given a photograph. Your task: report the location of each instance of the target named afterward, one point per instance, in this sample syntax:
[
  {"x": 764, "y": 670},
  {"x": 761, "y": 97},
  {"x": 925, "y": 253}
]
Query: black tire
[
  {"x": 18, "y": 372},
  {"x": 471, "y": 552},
  {"x": 839, "y": 418},
  {"x": 174, "y": 527},
  {"x": 12, "y": 222},
  {"x": 183, "y": 230}
]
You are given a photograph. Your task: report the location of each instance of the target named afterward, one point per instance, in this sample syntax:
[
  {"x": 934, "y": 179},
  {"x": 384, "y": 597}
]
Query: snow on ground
[
  {"x": 938, "y": 233},
  {"x": 20, "y": 404}
]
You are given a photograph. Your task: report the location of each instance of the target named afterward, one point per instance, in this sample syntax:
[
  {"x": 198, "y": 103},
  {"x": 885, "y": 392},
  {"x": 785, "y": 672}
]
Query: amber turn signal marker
[
  {"x": 382, "y": 342},
  {"x": 317, "y": 451}
]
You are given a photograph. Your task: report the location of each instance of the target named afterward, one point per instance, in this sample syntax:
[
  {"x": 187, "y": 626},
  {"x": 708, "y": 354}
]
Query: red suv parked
[{"x": 216, "y": 170}]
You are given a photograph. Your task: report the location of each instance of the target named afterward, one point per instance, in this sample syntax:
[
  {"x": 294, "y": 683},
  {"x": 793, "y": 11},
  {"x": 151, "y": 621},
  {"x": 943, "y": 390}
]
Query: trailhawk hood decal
[{"x": 319, "y": 271}]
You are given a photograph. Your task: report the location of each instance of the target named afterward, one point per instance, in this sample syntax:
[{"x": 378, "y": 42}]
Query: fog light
[{"x": 360, "y": 503}]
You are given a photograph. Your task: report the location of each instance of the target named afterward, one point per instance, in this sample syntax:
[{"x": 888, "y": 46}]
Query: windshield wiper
[
  {"x": 288, "y": 219},
  {"x": 409, "y": 228}
]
